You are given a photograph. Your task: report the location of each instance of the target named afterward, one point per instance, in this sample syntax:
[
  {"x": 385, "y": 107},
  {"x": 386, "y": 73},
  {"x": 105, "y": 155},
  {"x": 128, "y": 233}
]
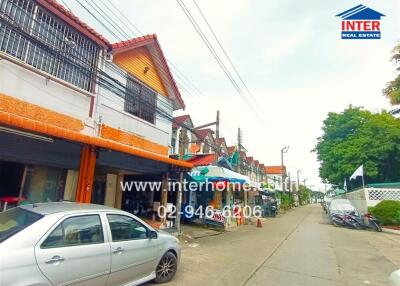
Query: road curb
[{"x": 392, "y": 231}]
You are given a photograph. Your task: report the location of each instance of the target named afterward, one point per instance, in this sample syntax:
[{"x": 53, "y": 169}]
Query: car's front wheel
[{"x": 166, "y": 268}]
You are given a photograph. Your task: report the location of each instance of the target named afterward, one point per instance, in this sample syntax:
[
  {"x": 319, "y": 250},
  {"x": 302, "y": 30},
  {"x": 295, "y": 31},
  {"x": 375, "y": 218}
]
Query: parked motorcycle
[
  {"x": 344, "y": 220},
  {"x": 355, "y": 221},
  {"x": 365, "y": 221},
  {"x": 337, "y": 220},
  {"x": 274, "y": 209}
]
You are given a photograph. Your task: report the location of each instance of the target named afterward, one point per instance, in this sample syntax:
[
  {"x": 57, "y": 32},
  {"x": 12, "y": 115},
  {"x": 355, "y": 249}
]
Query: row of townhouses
[
  {"x": 78, "y": 114},
  {"x": 81, "y": 116}
]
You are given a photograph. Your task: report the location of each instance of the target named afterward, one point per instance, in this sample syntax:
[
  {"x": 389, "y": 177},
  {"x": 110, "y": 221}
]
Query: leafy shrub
[
  {"x": 387, "y": 211},
  {"x": 286, "y": 200}
]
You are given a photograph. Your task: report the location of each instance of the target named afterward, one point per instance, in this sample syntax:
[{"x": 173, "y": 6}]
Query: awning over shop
[
  {"x": 209, "y": 159},
  {"x": 214, "y": 173},
  {"x": 202, "y": 160},
  {"x": 58, "y": 132}
]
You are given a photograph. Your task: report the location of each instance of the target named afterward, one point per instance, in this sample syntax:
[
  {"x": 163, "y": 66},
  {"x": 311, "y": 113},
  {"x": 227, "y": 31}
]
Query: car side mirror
[{"x": 153, "y": 234}]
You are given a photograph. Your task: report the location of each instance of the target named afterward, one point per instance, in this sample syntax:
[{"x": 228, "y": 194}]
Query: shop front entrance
[{"x": 37, "y": 169}]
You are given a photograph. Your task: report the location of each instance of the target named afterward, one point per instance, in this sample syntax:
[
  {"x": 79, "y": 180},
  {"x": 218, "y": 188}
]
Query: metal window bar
[
  {"x": 55, "y": 37},
  {"x": 140, "y": 100}
]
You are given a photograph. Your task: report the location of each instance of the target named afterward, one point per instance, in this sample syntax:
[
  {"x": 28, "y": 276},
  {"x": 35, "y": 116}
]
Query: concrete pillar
[
  {"x": 118, "y": 195},
  {"x": 70, "y": 185},
  {"x": 111, "y": 190},
  {"x": 164, "y": 196}
]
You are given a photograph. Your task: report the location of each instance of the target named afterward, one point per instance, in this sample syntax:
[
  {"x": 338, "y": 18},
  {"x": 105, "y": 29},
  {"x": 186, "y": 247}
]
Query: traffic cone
[{"x": 259, "y": 224}]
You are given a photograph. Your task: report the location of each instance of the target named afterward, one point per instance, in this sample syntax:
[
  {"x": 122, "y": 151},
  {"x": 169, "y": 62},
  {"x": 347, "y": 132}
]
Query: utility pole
[
  {"x": 239, "y": 138},
  {"x": 298, "y": 185},
  {"x": 217, "y": 126},
  {"x": 217, "y": 149},
  {"x": 298, "y": 179},
  {"x": 182, "y": 140},
  {"x": 283, "y": 150},
  {"x": 216, "y": 123}
]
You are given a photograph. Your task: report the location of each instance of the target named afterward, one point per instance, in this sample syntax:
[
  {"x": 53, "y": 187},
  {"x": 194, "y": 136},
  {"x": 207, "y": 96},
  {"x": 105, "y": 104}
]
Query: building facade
[
  {"x": 80, "y": 116},
  {"x": 276, "y": 177}
]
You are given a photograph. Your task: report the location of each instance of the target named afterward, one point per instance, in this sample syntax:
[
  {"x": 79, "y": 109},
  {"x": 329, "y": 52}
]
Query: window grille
[
  {"x": 140, "y": 100},
  {"x": 42, "y": 40}
]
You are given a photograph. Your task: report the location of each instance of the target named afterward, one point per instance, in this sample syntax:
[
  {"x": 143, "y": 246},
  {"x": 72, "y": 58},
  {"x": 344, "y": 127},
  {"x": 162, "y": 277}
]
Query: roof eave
[
  {"x": 145, "y": 41},
  {"x": 83, "y": 28}
]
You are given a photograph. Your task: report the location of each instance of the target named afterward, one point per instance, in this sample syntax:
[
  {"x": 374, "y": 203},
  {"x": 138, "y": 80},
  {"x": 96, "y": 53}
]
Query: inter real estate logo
[{"x": 361, "y": 22}]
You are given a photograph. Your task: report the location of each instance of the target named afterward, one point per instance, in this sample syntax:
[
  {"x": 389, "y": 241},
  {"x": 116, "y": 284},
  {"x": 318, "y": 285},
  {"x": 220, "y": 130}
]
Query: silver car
[{"x": 82, "y": 244}]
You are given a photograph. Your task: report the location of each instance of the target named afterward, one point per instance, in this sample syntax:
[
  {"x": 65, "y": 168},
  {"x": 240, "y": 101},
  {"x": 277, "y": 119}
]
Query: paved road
[{"x": 298, "y": 248}]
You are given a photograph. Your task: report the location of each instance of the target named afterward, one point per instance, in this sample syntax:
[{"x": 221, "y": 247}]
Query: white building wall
[
  {"x": 46, "y": 91},
  {"x": 33, "y": 87},
  {"x": 110, "y": 111},
  {"x": 277, "y": 182},
  {"x": 370, "y": 197}
]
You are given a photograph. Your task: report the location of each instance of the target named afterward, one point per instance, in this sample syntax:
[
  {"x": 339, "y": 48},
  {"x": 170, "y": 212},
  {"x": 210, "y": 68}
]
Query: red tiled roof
[
  {"x": 179, "y": 120},
  {"x": 147, "y": 40},
  {"x": 249, "y": 159},
  {"x": 243, "y": 154},
  {"x": 66, "y": 15},
  {"x": 275, "y": 169},
  {"x": 256, "y": 163},
  {"x": 220, "y": 141},
  {"x": 202, "y": 160},
  {"x": 131, "y": 43},
  {"x": 202, "y": 133},
  {"x": 231, "y": 149}
]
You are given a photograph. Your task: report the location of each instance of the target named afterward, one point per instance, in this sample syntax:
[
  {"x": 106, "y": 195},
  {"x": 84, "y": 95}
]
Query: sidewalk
[{"x": 193, "y": 232}]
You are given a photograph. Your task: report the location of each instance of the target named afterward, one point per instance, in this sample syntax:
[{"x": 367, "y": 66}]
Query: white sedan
[{"x": 82, "y": 244}]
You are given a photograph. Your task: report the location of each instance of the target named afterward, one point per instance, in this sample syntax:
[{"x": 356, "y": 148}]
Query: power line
[
  {"x": 123, "y": 16},
  {"x": 92, "y": 14},
  {"x": 227, "y": 56},
  {"x": 184, "y": 86},
  {"x": 184, "y": 79},
  {"x": 218, "y": 59},
  {"x": 125, "y": 36}
]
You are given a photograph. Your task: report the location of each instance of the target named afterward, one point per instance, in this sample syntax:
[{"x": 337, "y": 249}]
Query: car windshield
[{"x": 14, "y": 220}]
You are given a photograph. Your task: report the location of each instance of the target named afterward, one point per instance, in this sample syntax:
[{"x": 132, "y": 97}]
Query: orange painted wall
[
  {"x": 19, "y": 107},
  {"x": 135, "y": 61},
  {"x": 122, "y": 137}
]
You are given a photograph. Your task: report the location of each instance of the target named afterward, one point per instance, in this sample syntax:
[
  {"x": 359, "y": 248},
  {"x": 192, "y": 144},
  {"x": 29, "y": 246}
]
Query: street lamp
[{"x": 283, "y": 150}]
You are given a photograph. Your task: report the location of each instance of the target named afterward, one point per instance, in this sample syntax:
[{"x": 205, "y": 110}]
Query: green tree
[
  {"x": 304, "y": 195},
  {"x": 317, "y": 195},
  {"x": 392, "y": 89},
  {"x": 354, "y": 137}
]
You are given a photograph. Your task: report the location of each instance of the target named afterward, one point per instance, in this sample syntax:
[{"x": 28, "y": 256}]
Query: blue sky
[{"x": 291, "y": 57}]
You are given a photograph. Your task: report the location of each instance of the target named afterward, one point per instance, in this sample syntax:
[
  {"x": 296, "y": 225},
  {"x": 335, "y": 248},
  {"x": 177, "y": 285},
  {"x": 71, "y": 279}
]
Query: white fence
[{"x": 370, "y": 197}]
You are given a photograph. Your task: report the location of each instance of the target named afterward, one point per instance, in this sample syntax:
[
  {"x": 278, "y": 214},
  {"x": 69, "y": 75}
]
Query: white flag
[
  {"x": 358, "y": 173},
  {"x": 345, "y": 185}
]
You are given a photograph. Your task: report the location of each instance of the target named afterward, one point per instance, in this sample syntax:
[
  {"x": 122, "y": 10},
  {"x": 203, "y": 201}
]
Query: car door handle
[
  {"x": 55, "y": 259},
  {"x": 118, "y": 250}
]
